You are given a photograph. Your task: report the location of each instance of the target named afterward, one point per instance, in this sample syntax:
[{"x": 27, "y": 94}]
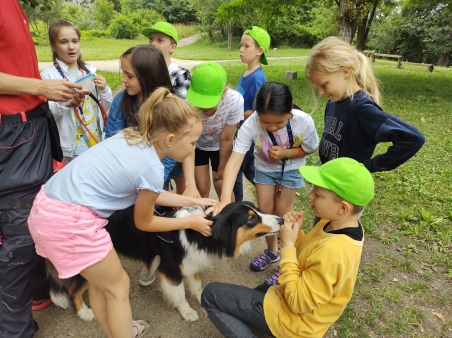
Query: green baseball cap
[
  {"x": 262, "y": 39},
  {"x": 208, "y": 82},
  {"x": 162, "y": 27},
  {"x": 346, "y": 177}
]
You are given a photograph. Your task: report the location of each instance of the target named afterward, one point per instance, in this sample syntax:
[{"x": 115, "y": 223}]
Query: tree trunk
[
  {"x": 361, "y": 38},
  {"x": 444, "y": 60},
  {"x": 345, "y": 30},
  {"x": 230, "y": 35},
  {"x": 345, "y": 27}
]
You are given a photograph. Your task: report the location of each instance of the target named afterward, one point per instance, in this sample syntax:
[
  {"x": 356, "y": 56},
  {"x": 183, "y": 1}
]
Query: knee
[
  {"x": 119, "y": 289},
  {"x": 207, "y": 295}
]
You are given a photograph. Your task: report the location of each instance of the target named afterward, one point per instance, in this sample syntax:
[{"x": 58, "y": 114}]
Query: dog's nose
[{"x": 280, "y": 221}]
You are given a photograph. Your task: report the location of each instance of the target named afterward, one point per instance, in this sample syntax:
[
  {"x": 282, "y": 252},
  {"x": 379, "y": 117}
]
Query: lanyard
[
  {"x": 58, "y": 68},
  {"x": 284, "y": 160}
]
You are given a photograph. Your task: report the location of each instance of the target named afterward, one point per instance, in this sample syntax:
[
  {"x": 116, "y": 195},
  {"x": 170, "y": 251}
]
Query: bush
[
  {"x": 122, "y": 27},
  {"x": 95, "y": 33},
  {"x": 144, "y": 18}
]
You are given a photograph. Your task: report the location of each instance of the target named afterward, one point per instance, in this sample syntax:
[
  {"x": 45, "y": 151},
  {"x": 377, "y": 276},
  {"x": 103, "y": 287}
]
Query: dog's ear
[{"x": 210, "y": 216}]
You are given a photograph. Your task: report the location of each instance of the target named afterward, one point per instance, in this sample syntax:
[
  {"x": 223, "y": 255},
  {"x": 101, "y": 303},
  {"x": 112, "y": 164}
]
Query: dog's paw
[
  {"x": 188, "y": 313},
  {"x": 86, "y": 313}
]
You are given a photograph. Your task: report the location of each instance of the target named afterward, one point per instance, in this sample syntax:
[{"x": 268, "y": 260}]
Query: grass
[
  {"x": 219, "y": 51},
  {"x": 406, "y": 270}
]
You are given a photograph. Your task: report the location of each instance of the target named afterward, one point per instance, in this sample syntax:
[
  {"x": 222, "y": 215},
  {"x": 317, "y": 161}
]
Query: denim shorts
[{"x": 291, "y": 179}]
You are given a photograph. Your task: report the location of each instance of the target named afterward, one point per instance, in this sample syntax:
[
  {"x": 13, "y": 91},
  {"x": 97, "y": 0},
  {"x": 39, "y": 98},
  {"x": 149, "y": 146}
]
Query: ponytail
[
  {"x": 162, "y": 112},
  {"x": 331, "y": 55}
]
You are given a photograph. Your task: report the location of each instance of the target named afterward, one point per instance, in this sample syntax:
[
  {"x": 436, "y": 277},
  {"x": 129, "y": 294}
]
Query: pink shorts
[{"x": 72, "y": 237}]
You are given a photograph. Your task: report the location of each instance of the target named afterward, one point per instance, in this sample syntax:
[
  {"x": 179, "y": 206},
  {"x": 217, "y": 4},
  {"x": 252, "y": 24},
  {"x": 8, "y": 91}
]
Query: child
[
  {"x": 221, "y": 110},
  {"x": 318, "y": 269},
  {"x": 164, "y": 37},
  {"x": 69, "y": 214},
  {"x": 254, "y": 45},
  {"x": 354, "y": 121},
  {"x": 64, "y": 39},
  {"x": 283, "y": 137}
]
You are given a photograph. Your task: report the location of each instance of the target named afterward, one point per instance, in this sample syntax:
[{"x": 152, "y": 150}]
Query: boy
[
  {"x": 318, "y": 269},
  {"x": 221, "y": 109},
  {"x": 164, "y": 36},
  {"x": 254, "y": 46}
]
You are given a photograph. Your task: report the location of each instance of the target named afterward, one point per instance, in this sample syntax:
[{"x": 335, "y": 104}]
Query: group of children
[{"x": 167, "y": 124}]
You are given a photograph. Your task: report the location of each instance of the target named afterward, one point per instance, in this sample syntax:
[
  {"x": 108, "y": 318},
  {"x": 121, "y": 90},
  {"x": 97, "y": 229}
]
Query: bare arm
[
  {"x": 188, "y": 168},
  {"x": 170, "y": 199},
  {"x": 54, "y": 90},
  {"x": 226, "y": 141},
  {"x": 146, "y": 221},
  {"x": 230, "y": 175}
]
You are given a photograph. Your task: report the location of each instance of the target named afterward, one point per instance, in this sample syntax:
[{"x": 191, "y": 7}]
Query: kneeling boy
[{"x": 318, "y": 269}]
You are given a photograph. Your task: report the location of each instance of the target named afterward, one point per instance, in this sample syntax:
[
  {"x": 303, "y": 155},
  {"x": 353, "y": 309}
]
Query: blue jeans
[
  {"x": 235, "y": 309},
  {"x": 246, "y": 168}
]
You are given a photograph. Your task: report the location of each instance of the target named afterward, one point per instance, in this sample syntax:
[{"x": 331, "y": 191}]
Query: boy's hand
[
  {"x": 219, "y": 206},
  {"x": 275, "y": 153},
  {"x": 291, "y": 227},
  {"x": 100, "y": 82}
]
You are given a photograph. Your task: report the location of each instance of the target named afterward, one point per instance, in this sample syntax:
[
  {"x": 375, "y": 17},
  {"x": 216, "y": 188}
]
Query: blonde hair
[
  {"x": 331, "y": 55},
  {"x": 355, "y": 209},
  {"x": 162, "y": 112}
]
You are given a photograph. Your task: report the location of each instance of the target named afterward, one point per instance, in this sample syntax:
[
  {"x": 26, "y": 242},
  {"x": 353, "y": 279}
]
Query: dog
[{"x": 175, "y": 254}]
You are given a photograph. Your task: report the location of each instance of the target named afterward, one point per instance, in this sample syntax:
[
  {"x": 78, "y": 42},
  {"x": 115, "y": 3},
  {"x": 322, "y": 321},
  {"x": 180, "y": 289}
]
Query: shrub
[
  {"x": 122, "y": 27},
  {"x": 95, "y": 33}
]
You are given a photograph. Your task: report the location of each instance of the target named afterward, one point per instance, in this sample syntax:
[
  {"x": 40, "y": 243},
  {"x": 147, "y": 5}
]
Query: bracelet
[{"x": 300, "y": 152}]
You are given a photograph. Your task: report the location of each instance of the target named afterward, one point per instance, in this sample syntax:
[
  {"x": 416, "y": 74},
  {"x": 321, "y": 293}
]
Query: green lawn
[{"x": 405, "y": 279}]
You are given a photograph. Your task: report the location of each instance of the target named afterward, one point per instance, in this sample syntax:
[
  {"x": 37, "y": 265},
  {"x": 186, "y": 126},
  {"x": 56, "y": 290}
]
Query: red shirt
[{"x": 17, "y": 56}]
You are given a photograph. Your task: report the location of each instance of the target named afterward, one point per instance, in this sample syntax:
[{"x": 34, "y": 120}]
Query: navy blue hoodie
[{"x": 353, "y": 128}]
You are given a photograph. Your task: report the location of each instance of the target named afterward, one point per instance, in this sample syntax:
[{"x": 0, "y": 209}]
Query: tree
[
  {"x": 39, "y": 12},
  {"x": 104, "y": 13}
]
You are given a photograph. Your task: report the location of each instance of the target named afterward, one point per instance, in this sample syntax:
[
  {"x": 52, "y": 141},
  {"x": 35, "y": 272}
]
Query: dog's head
[{"x": 240, "y": 222}]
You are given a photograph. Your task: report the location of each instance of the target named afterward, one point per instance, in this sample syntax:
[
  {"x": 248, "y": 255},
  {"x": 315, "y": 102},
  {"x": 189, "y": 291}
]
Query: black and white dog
[{"x": 174, "y": 254}]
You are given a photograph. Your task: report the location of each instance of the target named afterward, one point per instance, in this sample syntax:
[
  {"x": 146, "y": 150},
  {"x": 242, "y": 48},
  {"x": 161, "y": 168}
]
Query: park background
[{"x": 404, "y": 285}]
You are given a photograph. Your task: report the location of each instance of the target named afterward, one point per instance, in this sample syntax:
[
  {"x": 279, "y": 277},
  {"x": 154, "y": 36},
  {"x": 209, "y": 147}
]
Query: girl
[
  {"x": 144, "y": 70},
  {"x": 283, "y": 137},
  {"x": 69, "y": 214},
  {"x": 68, "y": 65},
  {"x": 354, "y": 121}
]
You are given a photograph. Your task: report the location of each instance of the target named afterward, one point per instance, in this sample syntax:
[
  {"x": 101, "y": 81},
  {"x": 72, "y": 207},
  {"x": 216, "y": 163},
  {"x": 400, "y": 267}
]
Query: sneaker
[
  {"x": 38, "y": 305},
  {"x": 263, "y": 260},
  {"x": 146, "y": 277},
  {"x": 273, "y": 279}
]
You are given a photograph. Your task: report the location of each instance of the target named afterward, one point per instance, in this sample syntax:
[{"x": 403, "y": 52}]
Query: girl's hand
[
  {"x": 204, "y": 202},
  {"x": 201, "y": 224},
  {"x": 291, "y": 227},
  {"x": 276, "y": 153},
  {"x": 191, "y": 191},
  {"x": 219, "y": 206},
  {"x": 100, "y": 82}
]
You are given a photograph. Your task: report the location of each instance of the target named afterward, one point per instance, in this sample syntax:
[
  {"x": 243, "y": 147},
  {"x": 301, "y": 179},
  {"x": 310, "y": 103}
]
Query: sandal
[{"x": 141, "y": 327}]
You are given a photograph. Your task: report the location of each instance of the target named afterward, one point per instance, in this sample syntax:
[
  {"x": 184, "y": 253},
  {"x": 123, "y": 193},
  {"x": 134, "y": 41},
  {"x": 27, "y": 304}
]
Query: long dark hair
[
  {"x": 274, "y": 98},
  {"x": 151, "y": 71},
  {"x": 54, "y": 30}
]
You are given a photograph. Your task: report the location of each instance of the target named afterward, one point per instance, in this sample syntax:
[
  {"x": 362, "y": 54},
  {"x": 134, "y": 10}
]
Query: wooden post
[
  {"x": 399, "y": 61},
  {"x": 291, "y": 75}
]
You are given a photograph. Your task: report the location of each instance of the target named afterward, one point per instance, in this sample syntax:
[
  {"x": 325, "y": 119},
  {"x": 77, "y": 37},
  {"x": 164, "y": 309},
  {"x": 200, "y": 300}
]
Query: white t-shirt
[
  {"x": 229, "y": 111},
  {"x": 108, "y": 176},
  {"x": 303, "y": 133}
]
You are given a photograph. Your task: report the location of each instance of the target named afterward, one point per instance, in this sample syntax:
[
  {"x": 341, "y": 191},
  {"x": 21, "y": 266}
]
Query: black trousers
[{"x": 25, "y": 165}]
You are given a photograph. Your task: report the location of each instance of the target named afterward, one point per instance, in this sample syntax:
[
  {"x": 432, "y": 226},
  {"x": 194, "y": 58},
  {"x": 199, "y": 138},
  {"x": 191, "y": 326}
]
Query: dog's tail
[{"x": 60, "y": 299}]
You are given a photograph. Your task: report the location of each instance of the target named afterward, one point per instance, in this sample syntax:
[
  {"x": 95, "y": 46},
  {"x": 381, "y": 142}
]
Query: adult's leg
[
  {"x": 248, "y": 165},
  {"x": 25, "y": 166},
  {"x": 238, "y": 187},
  {"x": 109, "y": 295},
  {"x": 234, "y": 309}
]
